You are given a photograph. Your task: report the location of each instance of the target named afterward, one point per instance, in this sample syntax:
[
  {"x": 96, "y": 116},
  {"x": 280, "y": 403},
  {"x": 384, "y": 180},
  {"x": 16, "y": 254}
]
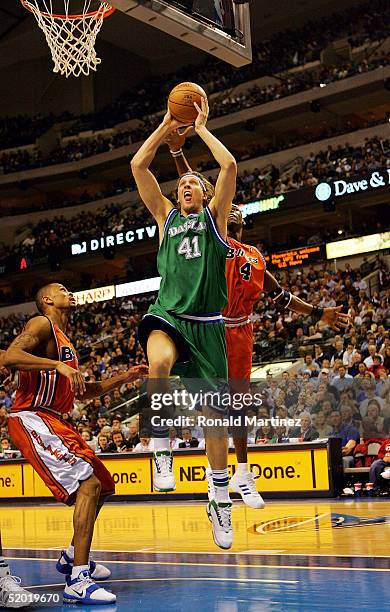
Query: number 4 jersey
[
  {"x": 191, "y": 261},
  {"x": 245, "y": 269}
]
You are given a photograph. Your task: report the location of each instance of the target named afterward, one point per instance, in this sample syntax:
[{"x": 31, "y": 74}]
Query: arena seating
[
  {"x": 105, "y": 336},
  {"x": 81, "y": 148},
  {"x": 330, "y": 163}
]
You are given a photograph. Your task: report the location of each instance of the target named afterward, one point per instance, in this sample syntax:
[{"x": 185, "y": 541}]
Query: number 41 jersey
[
  {"x": 245, "y": 269},
  {"x": 191, "y": 261}
]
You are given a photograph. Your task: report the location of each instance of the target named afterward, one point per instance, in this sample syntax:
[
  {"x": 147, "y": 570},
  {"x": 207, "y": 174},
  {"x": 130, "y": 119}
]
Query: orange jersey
[
  {"x": 47, "y": 389},
  {"x": 245, "y": 269}
]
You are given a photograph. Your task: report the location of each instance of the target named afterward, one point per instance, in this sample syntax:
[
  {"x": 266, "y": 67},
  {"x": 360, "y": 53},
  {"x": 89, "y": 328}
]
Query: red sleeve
[{"x": 385, "y": 448}]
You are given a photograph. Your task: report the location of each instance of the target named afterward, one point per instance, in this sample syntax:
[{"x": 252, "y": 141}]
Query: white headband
[{"x": 201, "y": 183}]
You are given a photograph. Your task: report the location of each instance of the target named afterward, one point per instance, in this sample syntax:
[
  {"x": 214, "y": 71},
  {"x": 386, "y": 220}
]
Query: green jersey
[{"x": 192, "y": 264}]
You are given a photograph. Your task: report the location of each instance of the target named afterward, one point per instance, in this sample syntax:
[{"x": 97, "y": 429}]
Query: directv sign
[
  {"x": 336, "y": 189},
  {"x": 252, "y": 208},
  {"x": 103, "y": 242}
]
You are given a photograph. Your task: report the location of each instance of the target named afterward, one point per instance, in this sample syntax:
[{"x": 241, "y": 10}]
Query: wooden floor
[
  {"x": 286, "y": 527},
  {"x": 289, "y": 556}
]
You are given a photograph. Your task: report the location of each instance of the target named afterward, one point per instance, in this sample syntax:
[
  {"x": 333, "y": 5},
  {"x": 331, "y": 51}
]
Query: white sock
[
  {"x": 221, "y": 483},
  {"x": 4, "y": 569},
  {"x": 70, "y": 551},
  {"x": 161, "y": 444},
  {"x": 242, "y": 468},
  {"x": 77, "y": 569}
]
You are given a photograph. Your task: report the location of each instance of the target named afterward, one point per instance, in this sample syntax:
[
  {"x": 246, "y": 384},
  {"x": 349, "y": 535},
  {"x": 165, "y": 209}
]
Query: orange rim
[{"x": 102, "y": 10}]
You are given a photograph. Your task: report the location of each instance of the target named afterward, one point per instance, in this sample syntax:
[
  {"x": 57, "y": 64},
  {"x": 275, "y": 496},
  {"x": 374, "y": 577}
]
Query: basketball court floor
[{"x": 298, "y": 555}]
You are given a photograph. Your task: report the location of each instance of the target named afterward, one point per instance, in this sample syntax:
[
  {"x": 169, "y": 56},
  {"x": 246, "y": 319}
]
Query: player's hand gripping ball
[{"x": 181, "y": 102}]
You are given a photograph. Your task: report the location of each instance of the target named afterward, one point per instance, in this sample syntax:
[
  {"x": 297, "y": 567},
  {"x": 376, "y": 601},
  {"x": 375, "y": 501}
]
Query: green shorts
[{"x": 201, "y": 344}]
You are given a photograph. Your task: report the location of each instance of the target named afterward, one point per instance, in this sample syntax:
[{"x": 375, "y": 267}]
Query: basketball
[{"x": 181, "y": 102}]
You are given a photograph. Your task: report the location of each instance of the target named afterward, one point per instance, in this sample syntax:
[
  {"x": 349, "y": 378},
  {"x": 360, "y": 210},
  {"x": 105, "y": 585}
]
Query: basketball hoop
[{"x": 71, "y": 36}]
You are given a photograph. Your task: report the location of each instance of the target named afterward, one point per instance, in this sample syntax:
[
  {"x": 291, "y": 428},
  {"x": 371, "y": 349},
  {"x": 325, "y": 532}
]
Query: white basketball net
[{"x": 71, "y": 38}]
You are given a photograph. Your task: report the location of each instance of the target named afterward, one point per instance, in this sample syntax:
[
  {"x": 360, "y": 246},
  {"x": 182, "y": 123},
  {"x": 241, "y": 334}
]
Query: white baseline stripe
[
  {"x": 334, "y": 568},
  {"x": 279, "y": 553},
  {"x": 186, "y": 579}
]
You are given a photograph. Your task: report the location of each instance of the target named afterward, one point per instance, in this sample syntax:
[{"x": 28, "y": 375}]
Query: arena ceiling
[{"x": 20, "y": 38}]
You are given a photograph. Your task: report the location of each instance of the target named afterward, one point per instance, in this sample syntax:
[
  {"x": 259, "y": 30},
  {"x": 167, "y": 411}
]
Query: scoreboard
[{"x": 296, "y": 257}]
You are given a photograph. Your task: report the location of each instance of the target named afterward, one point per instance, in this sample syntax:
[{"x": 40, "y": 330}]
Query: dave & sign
[{"x": 336, "y": 189}]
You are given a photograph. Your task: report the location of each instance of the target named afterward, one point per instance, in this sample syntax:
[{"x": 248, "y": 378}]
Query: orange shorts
[
  {"x": 239, "y": 345},
  {"x": 57, "y": 453}
]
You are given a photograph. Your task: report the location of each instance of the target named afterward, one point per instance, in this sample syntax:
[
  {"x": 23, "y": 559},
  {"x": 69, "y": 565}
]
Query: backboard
[{"x": 219, "y": 27}]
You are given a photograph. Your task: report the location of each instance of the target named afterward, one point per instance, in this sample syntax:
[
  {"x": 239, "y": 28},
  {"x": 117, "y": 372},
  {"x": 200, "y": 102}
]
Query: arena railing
[
  {"x": 129, "y": 408},
  {"x": 372, "y": 281}
]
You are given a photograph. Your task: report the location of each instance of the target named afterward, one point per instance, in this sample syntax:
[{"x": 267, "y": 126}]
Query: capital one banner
[
  {"x": 353, "y": 185},
  {"x": 288, "y": 468}
]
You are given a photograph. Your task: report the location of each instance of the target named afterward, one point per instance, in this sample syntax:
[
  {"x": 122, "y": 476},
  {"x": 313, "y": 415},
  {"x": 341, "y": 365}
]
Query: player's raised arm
[
  {"x": 225, "y": 187},
  {"x": 333, "y": 316},
  {"x": 147, "y": 184},
  {"x": 175, "y": 141}
]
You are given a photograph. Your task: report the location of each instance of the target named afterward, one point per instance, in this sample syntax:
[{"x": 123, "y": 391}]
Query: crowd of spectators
[
  {"x": 64, "y": 200},
  {"x": 283, "y": 51},
  {"x": 341, "y": 387},
  {"x": 289, "y": 335},
  {"x": 20, "y": 159},
  {"x": 133, "y": 270},
  {"x": 25, "y": 129},
  {"x": 58, "y": 233},
  {"x": 77, "y": 149},
  {"x": 332, "y": 163},
  {"x": 293, "y": 84}
]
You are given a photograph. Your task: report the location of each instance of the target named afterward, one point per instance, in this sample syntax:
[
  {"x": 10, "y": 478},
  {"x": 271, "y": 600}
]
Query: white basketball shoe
[{"x": 163, "y": 476}]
